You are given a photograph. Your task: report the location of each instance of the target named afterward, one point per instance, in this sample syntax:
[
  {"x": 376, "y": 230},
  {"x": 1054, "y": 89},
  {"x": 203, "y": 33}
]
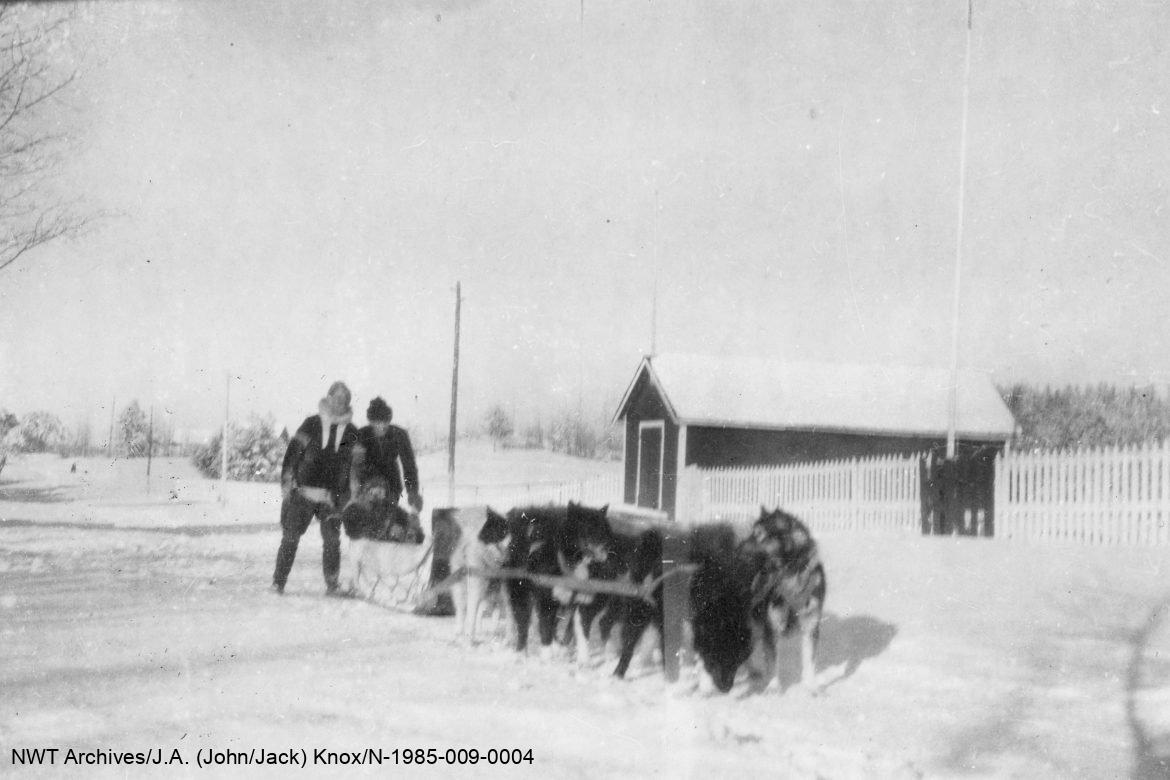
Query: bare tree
[
  {"x": 499, "y": 425},
  {"x": 32, "y": 148}
]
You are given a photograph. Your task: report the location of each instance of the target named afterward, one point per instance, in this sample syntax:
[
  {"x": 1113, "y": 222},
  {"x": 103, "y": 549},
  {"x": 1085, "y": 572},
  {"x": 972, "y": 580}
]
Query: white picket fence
[
  {"x": 845, "y": 495},
  {"x": 1118, "y": 495},
  {"x": 594, "y": 491}
]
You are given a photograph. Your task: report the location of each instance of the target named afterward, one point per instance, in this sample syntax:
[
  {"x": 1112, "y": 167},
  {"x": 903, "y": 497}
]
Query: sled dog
[
  {"x": 749, "y": 596},
  {"x": 472, "y": 592}
]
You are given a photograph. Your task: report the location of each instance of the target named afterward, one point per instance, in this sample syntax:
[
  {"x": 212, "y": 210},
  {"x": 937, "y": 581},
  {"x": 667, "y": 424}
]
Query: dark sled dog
[
  {"x": 636, "y": 560},
  {"x": 752, "y": 594},
  {"x": 554, "y": 541}
]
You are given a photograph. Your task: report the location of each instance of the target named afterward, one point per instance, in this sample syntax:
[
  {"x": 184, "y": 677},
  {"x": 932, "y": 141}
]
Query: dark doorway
[{"x": 650, "y": 466}]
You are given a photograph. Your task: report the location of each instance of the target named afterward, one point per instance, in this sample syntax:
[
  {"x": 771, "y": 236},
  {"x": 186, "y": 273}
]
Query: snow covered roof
[{"x": 754, "y": 393}]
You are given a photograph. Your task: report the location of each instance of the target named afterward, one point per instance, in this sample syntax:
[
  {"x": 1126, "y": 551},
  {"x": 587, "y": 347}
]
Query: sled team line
[{"x": 553, "y": 575}]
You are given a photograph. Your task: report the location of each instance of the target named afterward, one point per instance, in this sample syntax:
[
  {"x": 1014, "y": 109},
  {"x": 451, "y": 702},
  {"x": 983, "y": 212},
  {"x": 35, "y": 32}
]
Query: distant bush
[
  {"x": 255, "y": 452},
  {"x": 36, "y": 432}
]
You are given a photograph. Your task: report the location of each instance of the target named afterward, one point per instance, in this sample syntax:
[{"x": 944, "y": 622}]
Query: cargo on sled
[{"x": 391, "y": 560}]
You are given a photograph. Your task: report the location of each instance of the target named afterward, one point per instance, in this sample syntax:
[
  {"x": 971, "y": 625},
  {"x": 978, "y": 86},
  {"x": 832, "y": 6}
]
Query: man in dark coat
[
  {"x": 383, "y": 465},
  {"x": 314, "y": 481}
]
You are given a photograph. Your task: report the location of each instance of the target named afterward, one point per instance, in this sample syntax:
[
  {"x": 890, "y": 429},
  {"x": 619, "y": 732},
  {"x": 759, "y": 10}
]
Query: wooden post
[
  {"x": 223, "y": 442},
  {"x": 454, "y": 402},
  {"x": 110, "y": 441},
  {"x": 149, "y": 446},
  {"x": 675, "y": 602}
]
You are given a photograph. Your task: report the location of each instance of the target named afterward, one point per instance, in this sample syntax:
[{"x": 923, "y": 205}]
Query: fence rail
[
  {"x": 1116, "y": 495},
  {"x": 848, "y": 495}
]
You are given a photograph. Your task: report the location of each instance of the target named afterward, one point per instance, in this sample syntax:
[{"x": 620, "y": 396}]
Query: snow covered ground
[{"x": 134, "y": 620}]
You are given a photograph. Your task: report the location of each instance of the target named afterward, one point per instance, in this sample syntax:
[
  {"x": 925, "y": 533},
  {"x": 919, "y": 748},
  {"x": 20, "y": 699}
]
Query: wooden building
[{"x": 713, "y": 412}]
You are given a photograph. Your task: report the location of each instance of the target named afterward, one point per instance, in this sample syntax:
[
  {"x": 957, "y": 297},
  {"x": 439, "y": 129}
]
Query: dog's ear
[
  {"x": 763, "y": 512},
  {"x": 604, "y": 509}
]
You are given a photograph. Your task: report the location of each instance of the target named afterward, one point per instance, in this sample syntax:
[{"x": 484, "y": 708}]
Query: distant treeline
[
  {"x": 569, "y": 432},
  {"x": 133, "y": 436},
  {"x": 1092, "y": 416}
]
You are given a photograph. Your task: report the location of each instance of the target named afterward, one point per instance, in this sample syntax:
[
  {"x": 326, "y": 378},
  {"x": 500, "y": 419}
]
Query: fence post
[{"x": 675, "y": 602}]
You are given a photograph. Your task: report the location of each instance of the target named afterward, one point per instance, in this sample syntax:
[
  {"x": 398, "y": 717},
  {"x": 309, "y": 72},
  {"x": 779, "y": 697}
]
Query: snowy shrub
[
  {"x": 133, "y": 429},
  {"x": 37, "y": 432},
  {"x": 255, "y": 452}
]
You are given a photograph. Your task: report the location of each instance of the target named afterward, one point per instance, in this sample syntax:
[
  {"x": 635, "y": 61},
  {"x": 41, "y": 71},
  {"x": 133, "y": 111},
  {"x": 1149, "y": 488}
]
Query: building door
[{"x": 650, "y": 464}]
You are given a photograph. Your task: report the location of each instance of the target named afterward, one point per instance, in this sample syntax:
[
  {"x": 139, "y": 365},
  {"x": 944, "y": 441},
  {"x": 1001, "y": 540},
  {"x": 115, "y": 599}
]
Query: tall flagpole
[
  {"x": 953, "y": 405},
  {"x": 654, "y": 294}
]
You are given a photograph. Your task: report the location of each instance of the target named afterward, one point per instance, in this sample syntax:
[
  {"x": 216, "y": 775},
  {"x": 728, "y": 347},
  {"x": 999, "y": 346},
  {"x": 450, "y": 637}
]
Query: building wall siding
[
  {"x": 646, "y": 404},
  {"x": 712, "y": 447}
]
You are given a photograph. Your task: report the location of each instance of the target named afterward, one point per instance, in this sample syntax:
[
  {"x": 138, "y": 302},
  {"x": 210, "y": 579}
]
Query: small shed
[{"x": 717, "y": 412}]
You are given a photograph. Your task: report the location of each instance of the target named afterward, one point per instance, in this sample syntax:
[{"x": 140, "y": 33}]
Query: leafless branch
[{"x": 32, "y": 149}]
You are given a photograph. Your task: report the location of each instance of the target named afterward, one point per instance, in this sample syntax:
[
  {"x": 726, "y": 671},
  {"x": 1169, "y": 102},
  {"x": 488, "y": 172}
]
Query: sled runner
[{"x": 394, "y": 563}]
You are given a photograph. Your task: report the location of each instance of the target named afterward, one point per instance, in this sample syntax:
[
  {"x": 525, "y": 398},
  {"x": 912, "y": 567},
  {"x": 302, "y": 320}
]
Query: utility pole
[
  {"x": 953, "y": 405},
  {"x": 454, "y": 402},
  {"x": 149, "y": 446},
  {"x": 110, "y": 441},
  {"x": 223, "y": 440}
]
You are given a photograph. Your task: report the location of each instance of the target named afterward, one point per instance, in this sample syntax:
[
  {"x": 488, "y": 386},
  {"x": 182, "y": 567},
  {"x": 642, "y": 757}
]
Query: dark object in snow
[
  {"x": 555, "y": 541},
  {"x": 750, "y": 595},
  {"x": 639, "y": 560}
]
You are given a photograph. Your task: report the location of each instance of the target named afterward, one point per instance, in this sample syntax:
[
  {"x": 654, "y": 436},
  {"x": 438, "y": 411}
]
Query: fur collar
[{"x": 328, "y": 419}]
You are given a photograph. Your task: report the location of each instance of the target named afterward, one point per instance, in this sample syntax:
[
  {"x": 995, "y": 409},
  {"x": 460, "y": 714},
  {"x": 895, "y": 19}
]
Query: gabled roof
[{"x": 754, "y": 393}]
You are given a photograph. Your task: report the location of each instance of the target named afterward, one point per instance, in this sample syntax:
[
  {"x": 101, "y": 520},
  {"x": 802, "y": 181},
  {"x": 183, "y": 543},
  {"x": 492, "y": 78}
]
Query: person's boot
[{"x": 277, "y": 588}]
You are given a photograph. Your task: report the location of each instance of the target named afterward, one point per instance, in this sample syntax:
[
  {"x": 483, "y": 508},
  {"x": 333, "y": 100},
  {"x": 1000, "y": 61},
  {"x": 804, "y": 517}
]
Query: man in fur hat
[
  {"x": 380, "y": 449},
  {"x": 383, "y": 465},
  {"x": 314, "y": 481}
]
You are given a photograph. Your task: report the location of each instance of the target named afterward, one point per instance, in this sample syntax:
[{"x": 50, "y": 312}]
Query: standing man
[
  {"x": 314, "y": 482},
  {"x": 381, "y": 448}
]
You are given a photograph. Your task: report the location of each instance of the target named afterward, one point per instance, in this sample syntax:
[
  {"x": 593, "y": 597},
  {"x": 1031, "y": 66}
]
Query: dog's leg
[
  {"x": 808, "y": 667},
  {"x": 571, "y": 628},
  {"x": 355, "y": 553},
  {"x": 613, "y": 615},
  {"x": 459, "y": 599},
  {"x": 546, "y": 616},
  {"x": 518, "y": 592},
  {"x": 810, "y": 632},
  {"x": 505, "y": 614},
  {"x": 632, "y": 629},
  {"x": 766, "y": 634},
  {"x": 581, "y": 636},
  {"x": 474, "y": 587}
]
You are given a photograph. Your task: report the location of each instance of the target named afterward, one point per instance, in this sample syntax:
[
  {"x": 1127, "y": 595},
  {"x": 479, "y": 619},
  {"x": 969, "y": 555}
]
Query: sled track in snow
[{"x": 180, "y": 530}]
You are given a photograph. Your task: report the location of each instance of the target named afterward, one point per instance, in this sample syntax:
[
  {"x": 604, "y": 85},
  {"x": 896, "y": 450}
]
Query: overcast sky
[{"x": 294, "y": 189}]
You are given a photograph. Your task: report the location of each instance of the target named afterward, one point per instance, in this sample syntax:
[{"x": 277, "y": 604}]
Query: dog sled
[
  {"x": 390, "y": 558},
  {"x": 413, "y": 577}
]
